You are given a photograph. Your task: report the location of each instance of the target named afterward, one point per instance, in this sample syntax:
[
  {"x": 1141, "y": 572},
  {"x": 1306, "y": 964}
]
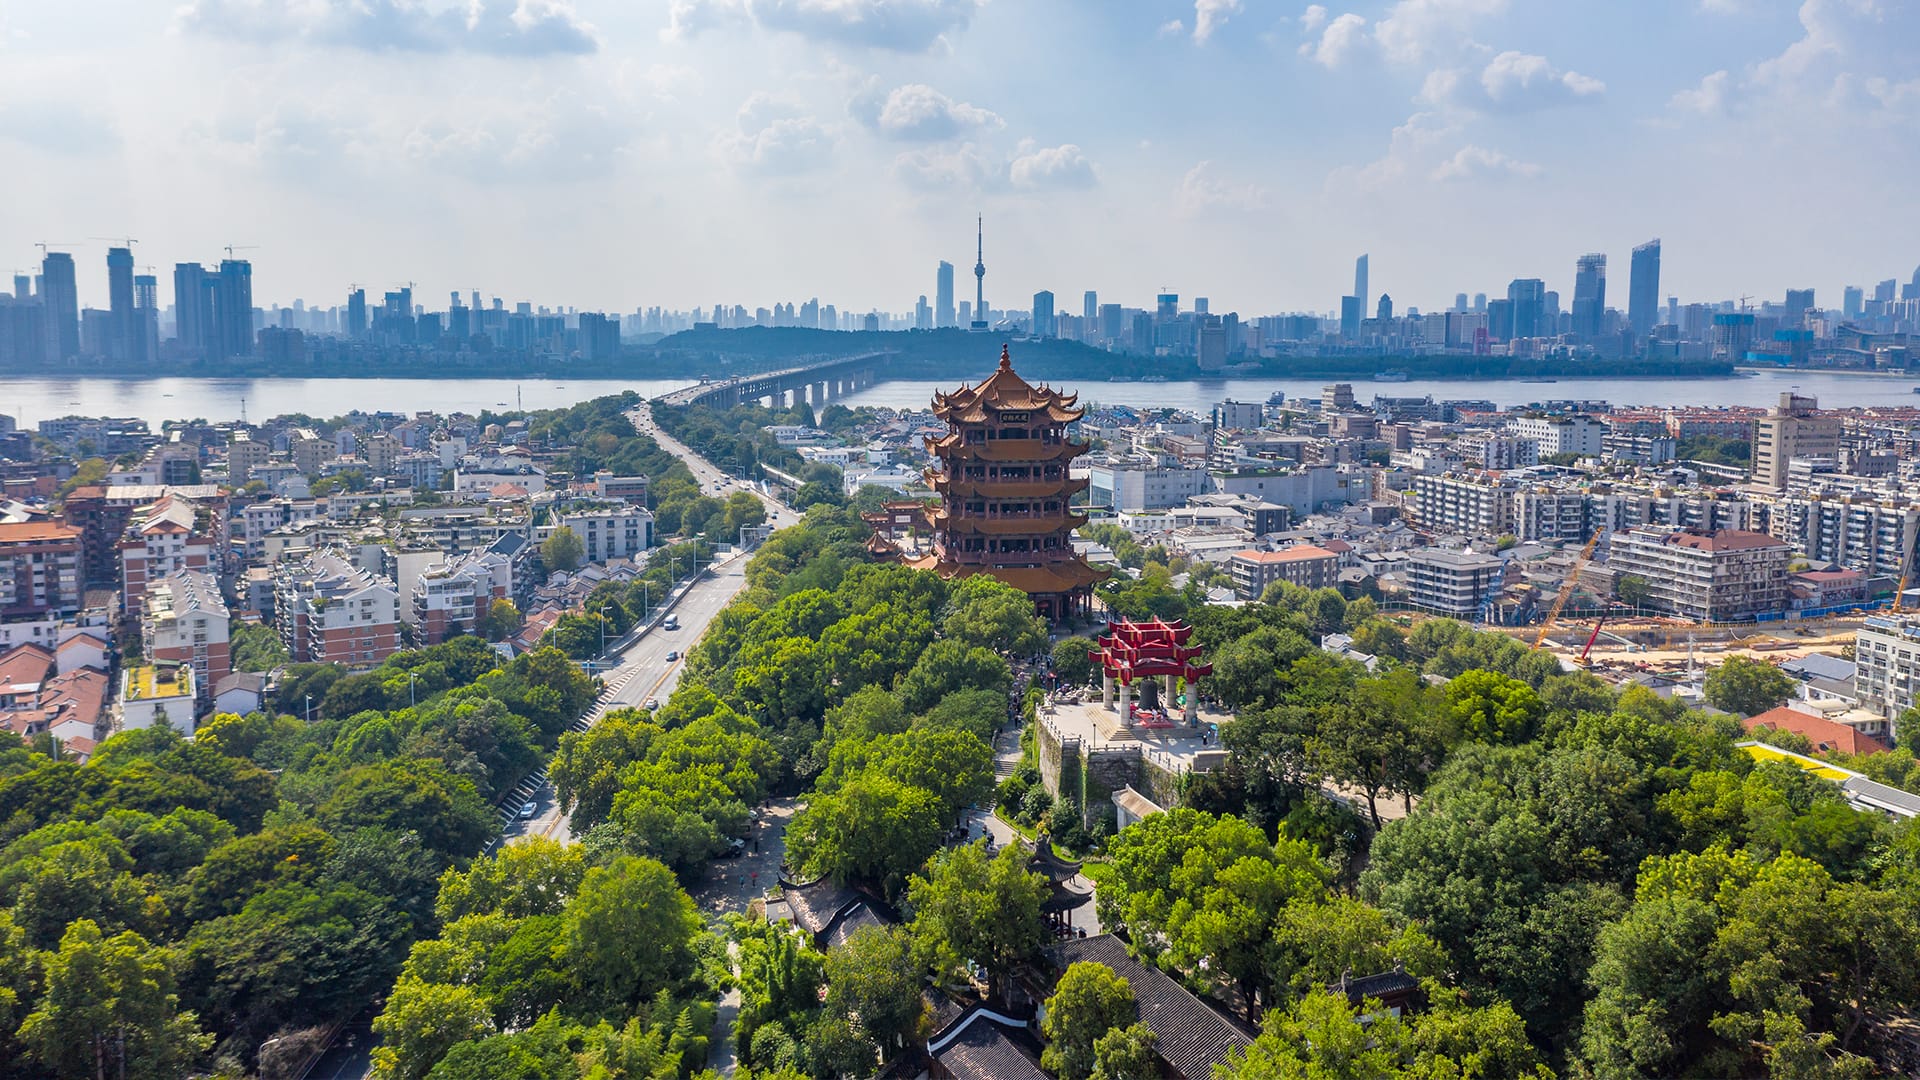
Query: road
[{"x": 643, "y": 670}]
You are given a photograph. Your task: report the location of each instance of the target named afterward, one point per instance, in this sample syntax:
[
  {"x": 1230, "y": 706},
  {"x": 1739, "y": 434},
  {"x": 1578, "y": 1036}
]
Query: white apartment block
[
  {"x": 609, "y": 532},
  {"x": 1723, "y": 575},
  {"x": 1453, "y": 582},
  {"x": 1470, "y": 504},
  {"x": 1581, "y": 435},
  {"x": 1886, "y": 652}
]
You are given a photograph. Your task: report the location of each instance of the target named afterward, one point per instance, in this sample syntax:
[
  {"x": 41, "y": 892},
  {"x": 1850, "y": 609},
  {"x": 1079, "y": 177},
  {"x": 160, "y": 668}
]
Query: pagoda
[
  {"x": 1004, "y": 492},
  {"x": 1146, "y": 651}
]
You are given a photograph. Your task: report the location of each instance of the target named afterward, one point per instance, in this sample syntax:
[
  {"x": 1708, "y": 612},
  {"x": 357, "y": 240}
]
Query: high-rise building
[
  {"x": 233, "y": 308},
  {"x": 1112, "y": 324},
  {"x": 22, "y": 288},
  {"x": 922, "y": 314},
  {"x": 1527, "y": 300},
  {"x": 1799, "y": 302},
  {"x": 979, "y": 275},
  {"x": 1643, "y": 290},
  {"x": 1090, "y": 309},
  {"x": 943, "y": 295},
  {"x": 1479, "y": 301},
  {"x": 1589, "y": 296},
  {"x": 1852, "y": 302},
  {"x": 1459, "y": 301},
  {"x": 193, "y": 326},
  {"x": 1350, "y": 317},
  {"x": 357, "y": 314},
  {"x": 61, "y": 298},
  {"x": 1794, "y": 428},
  {"x": 144, "y": 344},
  {"x": 1385, "y": 310},
  {"x": 1360, "y": 281},
  {"x": 1043, "y": 314},
  {"x": 1883, "y": 291},
  {"x": 120, "y": 302}
]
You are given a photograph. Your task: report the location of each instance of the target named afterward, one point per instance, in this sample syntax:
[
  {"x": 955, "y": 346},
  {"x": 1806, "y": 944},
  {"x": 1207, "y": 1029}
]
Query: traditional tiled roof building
[{"x": 1005, "y": 491}]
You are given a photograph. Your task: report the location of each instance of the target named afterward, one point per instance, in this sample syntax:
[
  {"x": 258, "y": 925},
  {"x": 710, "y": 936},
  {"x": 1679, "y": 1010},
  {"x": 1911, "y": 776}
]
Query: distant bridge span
[{"x": 812, "y": 383}]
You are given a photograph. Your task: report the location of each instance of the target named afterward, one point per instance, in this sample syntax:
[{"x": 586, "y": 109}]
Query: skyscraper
[
  {"x": 1589, "y": 296},
  {"x": 22, "y": 288},
  {"x": 943, "y": 295},
  {"x": 62, "y": 303},
  {"x": 357, "y": 314},
  {"x": 1043, "y": 314},
  {"x": 979, "y": 275},
  {"x": 1350, "y": 318},
  {"x": 1459, "y": 301},
  {"x": 144, "y": 345},
  {"x": 1799, "y": 302},
  {"x": 1528, "y": 300},
  {"x": 922, "y": 314},
  {"x": 1090, "y": 308},
  {"x": 120, "y": 302},
  {"x": 1643, "y": 290},
  {"x": 1360, "y": 281},
  {"x": 233, "y": 309},
  {"x": 193, "y": 309},
  {"x": 1852, "y": 302}
]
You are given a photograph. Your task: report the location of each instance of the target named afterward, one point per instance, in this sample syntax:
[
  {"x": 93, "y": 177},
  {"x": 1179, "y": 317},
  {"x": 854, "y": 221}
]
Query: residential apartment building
[
  {"x": 1140, "y": 483},
  {"x": 609, "y": 532},
  {"x": 39, "y": 570},
  {"x": 330, "y": 611},
  {"x": 1886, "y": 654},
  {"x": 162, "y": 537},
  {"x": 1467, "y": 504},
  {"x": 1581, "y": 435},
  {"x": 1305, "y": 565},
  {"x": 1453, "y": 583},
  {"x": 1794, "y": 428},
  {"x": 449, "y": 598},
  {"x": 631, "y": 489},
  {"x": 1551, "y": 513},
  {"x": 1722, "y": 575},
  {"x": 243, "y": 456},
  {"x": 1873, "y": 535},
  {"x": 185, "y": 621}
]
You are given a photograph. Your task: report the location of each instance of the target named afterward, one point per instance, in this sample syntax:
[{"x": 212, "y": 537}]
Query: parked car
[
  {"x": 651, "y": 704},
  {"x": 528, "y": 809},
  {"x": 735, "y": 848}
]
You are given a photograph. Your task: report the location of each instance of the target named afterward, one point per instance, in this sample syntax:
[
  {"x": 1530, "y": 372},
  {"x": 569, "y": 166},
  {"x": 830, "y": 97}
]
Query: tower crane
[
  {"x": 1567, "y": 587},
  {"x": 126, "y": 240},
  {"x": 43, "y": 245},
  {"x": 231, "y": 248}
]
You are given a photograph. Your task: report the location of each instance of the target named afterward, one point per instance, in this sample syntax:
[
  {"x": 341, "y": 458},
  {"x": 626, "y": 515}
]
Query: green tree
[
  {"x": 873, "y": 830},
  {"x": 985, "y": 612},
  {"x": 421, "y": 1022},
  {"x": 501, "y": 621},
  {"x": 535, "y": 877},
  {"x": 1071, "y": 660},
  {"x": 872, "y": 977},
  {"x": 1381, "y": 741},
  {"x": 1494, "y": 708},
  {"x": 1126, "y": 1053},
  {"x": 972, "y": 907},
  {"x": 563, "y": 550},
  {"x": 630, "y": 934},
  {"x": 1747, "y": 687},
  {"x": 950, "y": 666},
  {"x": 109, "y": 1010},
  {"x": 1088, "y": 1002},
  {"x": 1633, "y": 590}
]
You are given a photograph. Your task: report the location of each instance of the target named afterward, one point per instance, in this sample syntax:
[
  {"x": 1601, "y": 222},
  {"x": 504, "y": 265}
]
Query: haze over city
[{"x": 605, "y": 155}]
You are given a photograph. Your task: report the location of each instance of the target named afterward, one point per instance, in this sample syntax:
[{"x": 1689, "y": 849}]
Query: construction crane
[
  {"x": 128, "y": 241},
  {"x": 43, "y": 245},
  {"x": 231, "y": 248},
  {"x": 1566, "y": 587}
]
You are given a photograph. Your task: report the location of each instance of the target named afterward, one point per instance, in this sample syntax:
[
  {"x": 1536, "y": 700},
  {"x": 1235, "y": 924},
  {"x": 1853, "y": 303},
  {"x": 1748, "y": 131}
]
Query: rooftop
[
  {"x": 1296, "y": 553},
  {"x": 144, "y": 681}
]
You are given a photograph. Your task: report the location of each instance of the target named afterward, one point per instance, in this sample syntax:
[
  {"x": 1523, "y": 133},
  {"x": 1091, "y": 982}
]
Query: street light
[
  {"x": 309, "y": 708},
  {"x": 410, "y": 677}
]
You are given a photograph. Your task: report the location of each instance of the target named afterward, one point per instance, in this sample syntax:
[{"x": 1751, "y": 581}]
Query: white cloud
[
  {"x": 1341, "y": 39},
  {"x": 1202, "y": 190},
  {"x": 939, "y": 168},
  {"x": 1517, "y": 80},
  {"x": 1063, "y": 166},
  {"x": 898, "y": 25},
  {"x": 775, "y": 138},
  {"x": 917, "y": 112},
  {"x": 1709, "y": 98},
  {"x": 1313, "y": 18},
  {"x": 1172, "y": 28},
  {"x": 1211, "y": 15},
  {"x": 1470, "y": 161},
  {"x": 1414, "y": 30},
  {"x": 496, "y": 27}
]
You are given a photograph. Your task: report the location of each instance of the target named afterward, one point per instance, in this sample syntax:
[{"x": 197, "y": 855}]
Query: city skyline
[{"x": 590, "y": 155}]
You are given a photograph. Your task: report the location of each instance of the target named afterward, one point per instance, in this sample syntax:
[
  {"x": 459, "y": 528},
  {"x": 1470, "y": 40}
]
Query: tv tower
[{"x": 979, "y": 274}]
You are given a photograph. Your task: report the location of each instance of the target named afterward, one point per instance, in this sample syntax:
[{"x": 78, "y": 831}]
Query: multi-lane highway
[{"x": 643, "y": 670}]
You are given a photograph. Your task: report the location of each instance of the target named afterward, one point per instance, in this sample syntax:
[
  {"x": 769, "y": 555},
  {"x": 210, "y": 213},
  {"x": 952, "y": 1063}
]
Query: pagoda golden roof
[{"x": 1002, "y": 391}]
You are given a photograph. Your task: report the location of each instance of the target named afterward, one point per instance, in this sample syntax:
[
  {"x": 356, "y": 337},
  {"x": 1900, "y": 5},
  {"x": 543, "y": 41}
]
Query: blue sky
[{"x": 745, "y": 151}]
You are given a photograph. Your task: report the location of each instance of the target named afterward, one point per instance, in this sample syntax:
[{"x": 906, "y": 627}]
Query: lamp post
[
  {"x": 309, "y": 708},
  {"x": 410, "y": 677}
]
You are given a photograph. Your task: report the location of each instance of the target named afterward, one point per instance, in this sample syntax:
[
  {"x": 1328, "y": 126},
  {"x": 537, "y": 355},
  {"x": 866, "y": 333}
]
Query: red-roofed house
[
  {"x": 163, "y": 538},
  {"x": 1304, "y": 565},
  {"x": 1718, "y": 575},
  {"x": 1825, "y": 734}
]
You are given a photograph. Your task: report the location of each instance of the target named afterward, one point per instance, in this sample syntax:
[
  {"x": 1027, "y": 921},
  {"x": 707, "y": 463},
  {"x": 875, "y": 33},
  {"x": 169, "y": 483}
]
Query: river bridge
[{"x": 815, "y": 384}]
